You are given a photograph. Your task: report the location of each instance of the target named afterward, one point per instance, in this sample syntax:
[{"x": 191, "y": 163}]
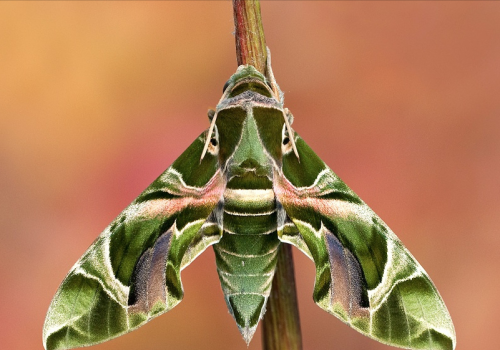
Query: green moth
[{"x": 245, "y": 186}]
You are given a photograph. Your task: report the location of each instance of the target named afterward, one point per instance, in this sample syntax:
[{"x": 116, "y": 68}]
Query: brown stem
[
  {"x": 249, "y": 34},
  {"x": 281, "y": 324}
]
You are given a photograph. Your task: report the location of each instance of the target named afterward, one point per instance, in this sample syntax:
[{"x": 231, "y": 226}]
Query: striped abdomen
[{"x": 246, "y": 254}]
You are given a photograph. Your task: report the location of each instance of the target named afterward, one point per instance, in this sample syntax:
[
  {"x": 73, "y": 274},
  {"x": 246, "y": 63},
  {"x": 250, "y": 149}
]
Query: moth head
[
  {"x": 247, "y": 78},
  {"x": 250, "y": 98}
]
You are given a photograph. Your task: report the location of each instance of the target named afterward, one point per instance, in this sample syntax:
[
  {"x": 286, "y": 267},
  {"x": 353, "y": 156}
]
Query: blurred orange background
[{"x": 401, "y": 99}]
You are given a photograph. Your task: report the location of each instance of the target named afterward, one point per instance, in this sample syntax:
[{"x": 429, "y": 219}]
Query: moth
[{"x": 246, "y": 185}]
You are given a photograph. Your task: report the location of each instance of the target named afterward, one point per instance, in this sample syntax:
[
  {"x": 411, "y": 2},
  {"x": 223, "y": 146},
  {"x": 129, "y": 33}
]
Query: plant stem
[
  {"x": 249, "y": 34},
  {"x": 281, "y": 324}
]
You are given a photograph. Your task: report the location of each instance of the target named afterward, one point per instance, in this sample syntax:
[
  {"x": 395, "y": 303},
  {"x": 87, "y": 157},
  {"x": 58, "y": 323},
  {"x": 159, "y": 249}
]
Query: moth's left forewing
[
  {"x": 364, "y": 274},
  {"x": 131, "y": 273}
]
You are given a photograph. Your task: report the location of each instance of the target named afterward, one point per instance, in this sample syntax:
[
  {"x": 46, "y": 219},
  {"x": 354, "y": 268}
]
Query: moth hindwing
[{"x": 246, "y": 185}]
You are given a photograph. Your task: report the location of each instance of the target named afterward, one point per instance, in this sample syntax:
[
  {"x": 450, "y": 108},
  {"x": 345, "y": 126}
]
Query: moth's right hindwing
[{"x": 131, "y": 273}]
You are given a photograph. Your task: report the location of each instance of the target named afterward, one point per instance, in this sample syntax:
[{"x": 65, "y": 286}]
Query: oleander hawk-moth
[{"x": 245, "y": 186}]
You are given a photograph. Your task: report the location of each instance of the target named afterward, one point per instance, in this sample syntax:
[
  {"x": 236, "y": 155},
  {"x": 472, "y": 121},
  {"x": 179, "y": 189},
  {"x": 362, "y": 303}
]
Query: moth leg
[
  {"x": 211, "y": 114},
  {"x": 289, "y": 233},
  {"x": 289, "y": 115},
  {"x": 210, "y": 233}
]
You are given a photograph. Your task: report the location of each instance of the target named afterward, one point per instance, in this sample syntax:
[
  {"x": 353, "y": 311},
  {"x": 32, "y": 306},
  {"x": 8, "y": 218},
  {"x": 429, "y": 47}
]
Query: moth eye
[
  {"x": 286, "y": 144},
  {"x": 225, "y": 86},
  {"x": 213, "y": 146}
]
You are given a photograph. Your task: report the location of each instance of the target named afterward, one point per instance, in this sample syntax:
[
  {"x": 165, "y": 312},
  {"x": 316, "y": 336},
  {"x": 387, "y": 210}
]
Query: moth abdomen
[{"x": 246, "y": 254}]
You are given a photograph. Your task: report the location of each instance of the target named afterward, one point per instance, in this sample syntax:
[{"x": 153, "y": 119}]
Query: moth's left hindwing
[
  {"x": 364, "y": 274},
  {"x": 131, "y": 273}
]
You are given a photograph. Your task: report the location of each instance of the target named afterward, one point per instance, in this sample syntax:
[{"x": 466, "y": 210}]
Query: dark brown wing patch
[
  {"x": 148, "y": 280},
  {"x": 347, "y": 281}
]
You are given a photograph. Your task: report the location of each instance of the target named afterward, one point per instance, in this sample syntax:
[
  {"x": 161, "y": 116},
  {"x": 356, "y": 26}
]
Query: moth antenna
[
  {"x": 280, "y": 97},
  {"x": 270, "y": 76},
  {"x": 212, "y": 125}
]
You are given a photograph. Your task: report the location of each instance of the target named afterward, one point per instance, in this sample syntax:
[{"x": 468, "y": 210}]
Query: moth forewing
[
  {"x": 132, "y": 271},
  {"x": 365, "y": 276}
]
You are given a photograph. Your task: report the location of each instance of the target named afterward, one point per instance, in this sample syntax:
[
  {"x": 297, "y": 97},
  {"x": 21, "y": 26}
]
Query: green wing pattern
[
  {"x": 131, "y": 273},
  {"x": 364, "y": 274}
]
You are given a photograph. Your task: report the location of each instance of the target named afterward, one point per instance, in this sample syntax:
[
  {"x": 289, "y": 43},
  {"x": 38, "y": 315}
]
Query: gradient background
[{"x": 401, "y": 99}]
